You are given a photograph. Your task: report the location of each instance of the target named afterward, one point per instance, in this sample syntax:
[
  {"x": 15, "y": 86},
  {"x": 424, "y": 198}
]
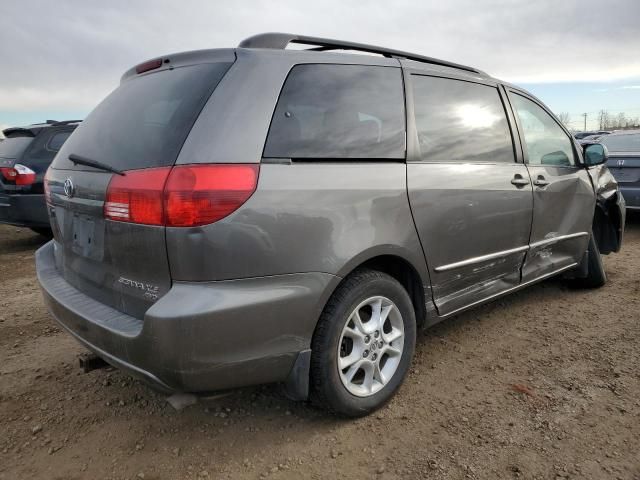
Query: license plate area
[{"x": 87, "y": 237}]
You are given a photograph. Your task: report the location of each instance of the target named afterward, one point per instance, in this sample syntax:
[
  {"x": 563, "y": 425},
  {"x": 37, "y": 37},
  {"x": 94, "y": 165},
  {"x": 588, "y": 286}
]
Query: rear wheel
[
  {"x": 596, "y": 276},
  {"x": 363, "y": 345}
]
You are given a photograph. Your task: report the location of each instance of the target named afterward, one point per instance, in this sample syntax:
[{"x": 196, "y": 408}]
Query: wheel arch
[
  {"x": 401, "y": 266},
  {"x": 393, "y": 262}
]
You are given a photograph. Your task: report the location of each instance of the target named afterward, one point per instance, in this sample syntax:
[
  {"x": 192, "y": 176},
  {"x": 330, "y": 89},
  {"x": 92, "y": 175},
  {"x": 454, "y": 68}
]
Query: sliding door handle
[{"x": 519, "y": 181}]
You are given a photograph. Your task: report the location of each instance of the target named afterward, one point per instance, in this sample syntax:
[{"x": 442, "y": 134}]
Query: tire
[
  {"x": 596, "y": 276},
  {"x": 44, "y": 231},
  {"x": 338, "y": 337}
]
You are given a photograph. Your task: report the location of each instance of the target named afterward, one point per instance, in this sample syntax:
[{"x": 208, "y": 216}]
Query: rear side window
[
  {"x": 339, "y": 112},
  {"x": 145, "y": 121},
  {"x": 56, "y": 142},
  {"x": 460, "y": 121},
  {"x": 13, "y": 147}
]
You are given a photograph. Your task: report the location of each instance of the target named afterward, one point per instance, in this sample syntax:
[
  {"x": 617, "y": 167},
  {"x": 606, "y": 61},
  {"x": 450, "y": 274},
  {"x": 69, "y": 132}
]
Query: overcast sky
[{"x": 59, "y": 58}]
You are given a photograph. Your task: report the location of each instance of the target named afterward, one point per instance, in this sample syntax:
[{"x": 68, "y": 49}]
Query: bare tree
[
  {"x": 622, "y": 120},
  {"x": 604, "y": 119},
  {"x": 565, "y": 118}
]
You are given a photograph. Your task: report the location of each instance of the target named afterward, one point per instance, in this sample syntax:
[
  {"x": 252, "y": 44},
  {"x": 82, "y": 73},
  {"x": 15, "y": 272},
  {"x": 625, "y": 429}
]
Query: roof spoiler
[
  {"x": 22, "y": 130},
  {"x": 37, "y": 126},
  {"x": 280, "y": 41}
]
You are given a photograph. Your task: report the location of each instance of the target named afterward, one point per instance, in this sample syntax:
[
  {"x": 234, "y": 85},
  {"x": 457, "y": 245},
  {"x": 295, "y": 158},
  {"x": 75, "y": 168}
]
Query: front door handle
[
  {"x": 540, "y": 181},
  {"x": 519, "y": 181}
]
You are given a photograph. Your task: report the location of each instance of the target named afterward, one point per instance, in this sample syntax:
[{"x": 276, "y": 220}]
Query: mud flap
[{"x": 296, "y": 386}]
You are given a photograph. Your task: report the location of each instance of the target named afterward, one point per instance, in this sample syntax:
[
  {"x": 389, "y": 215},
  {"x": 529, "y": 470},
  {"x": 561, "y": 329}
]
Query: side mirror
[{"x": 595, "y": 154}]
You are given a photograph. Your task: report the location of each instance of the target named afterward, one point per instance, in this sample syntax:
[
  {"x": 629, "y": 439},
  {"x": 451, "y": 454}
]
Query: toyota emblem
[{"x": 69, "y": 189}]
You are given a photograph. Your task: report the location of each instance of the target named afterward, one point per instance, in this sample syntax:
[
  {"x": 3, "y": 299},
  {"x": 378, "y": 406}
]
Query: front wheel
[{"x": 363, "y": 344}]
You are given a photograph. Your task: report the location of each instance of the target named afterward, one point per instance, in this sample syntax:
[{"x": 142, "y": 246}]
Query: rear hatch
[
  {"x": 138, "y": 130},
  {"x": 624, "y": 157},
  {"x": 11, "y": 150},
  {"x": 625, "y": 168}
]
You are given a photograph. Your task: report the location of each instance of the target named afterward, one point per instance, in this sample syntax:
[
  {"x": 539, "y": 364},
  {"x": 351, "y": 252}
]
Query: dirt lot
[{"x": 543, "y": 384}]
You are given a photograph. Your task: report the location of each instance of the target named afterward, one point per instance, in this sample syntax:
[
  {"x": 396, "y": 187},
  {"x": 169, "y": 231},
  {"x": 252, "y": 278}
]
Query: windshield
[
  {"x": 13, "y": 147},
  {"x": 145, "y": 121},
  {"x": 622, "y": 143}
]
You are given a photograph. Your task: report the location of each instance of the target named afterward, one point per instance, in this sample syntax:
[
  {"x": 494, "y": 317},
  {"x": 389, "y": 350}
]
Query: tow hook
[{"x": 91, "y": 361}]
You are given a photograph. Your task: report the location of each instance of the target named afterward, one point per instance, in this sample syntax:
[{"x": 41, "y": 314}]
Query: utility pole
[{"x": 585, "y": 121}]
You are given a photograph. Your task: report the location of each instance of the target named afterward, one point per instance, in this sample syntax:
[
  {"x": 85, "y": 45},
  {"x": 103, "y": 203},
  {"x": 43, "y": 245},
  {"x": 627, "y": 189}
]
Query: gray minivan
[{"x": 243, "y": 216}]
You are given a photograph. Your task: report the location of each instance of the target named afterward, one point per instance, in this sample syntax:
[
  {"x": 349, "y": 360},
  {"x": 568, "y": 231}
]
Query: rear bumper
[
  {"x": 199, "y": 336},
  {"x": 631, "y": 196},
  {"x": 24, "y": 210}
]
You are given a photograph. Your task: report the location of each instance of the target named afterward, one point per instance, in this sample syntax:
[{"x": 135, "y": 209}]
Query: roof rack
[{"x": 279, "y": 41}]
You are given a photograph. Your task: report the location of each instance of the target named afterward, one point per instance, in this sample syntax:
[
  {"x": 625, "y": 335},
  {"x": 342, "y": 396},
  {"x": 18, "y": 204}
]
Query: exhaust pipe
[{"x": 91, "y": 361}]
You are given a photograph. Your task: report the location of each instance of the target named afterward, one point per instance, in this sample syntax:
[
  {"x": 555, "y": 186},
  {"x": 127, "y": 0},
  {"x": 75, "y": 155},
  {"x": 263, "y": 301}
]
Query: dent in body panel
[
  {"x": 605, "y": 183},
  {"x": 471, "y": 283},
  {"x": 464, "y": 211},
  {"x": 562, "y": 217},
  {"x": 304, "y": 217}
]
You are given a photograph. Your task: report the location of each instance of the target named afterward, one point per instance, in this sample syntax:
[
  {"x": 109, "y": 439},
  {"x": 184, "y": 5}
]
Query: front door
[
  {"x": 471, "y": 199},
  {"x": 563, "y": 197}
]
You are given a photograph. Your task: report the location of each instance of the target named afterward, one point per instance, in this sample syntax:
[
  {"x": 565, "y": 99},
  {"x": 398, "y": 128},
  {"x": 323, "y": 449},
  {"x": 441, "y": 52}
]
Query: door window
[
  {"x": 545, "y": 141},
  {"x": 339, "y": 111},
  {"x": 460, "y": 121},
  {"x": 57, "y": 141}
]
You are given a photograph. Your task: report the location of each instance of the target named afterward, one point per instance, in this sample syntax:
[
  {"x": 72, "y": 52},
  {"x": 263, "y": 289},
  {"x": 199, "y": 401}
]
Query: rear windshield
[
  {"x": 622, "y": 143},
  {"x": 145, "y": 121},
  {"x": 13, "y": 147}
]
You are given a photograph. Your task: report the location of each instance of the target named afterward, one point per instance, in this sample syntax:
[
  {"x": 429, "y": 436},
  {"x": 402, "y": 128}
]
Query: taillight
[
  {"x": 19, "y": 174},
  {"x": 47, "y": 189},
  {"x": 201, "y": 194},
  {"x": 137, "y": 196},
  {"x": 181, "y": 196}
]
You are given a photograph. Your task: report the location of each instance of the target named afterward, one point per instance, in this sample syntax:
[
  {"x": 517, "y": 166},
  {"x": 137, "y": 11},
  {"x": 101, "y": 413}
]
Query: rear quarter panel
[
  {"x": 304, "y": 217},
  {"x": 319, "y": 216}
]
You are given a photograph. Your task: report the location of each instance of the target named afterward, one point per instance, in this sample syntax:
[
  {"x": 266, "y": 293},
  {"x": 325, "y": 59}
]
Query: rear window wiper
[{"x": 78, "y": 160}]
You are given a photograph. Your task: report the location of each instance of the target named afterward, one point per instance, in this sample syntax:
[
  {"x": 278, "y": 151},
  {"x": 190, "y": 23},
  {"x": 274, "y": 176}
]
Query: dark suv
[
  {"x": 25, "y": 155},
  {"x": 242, "y": 216}
]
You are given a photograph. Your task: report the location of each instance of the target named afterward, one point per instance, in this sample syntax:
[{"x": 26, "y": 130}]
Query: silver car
[{"x": 242, "y": 216}]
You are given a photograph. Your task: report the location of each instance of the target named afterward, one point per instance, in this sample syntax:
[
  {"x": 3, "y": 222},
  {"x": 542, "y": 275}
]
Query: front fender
[{"x": 610, "y": 215}]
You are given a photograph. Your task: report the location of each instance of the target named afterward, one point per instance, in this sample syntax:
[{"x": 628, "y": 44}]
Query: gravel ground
[{"x": 542, "y": 384}]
